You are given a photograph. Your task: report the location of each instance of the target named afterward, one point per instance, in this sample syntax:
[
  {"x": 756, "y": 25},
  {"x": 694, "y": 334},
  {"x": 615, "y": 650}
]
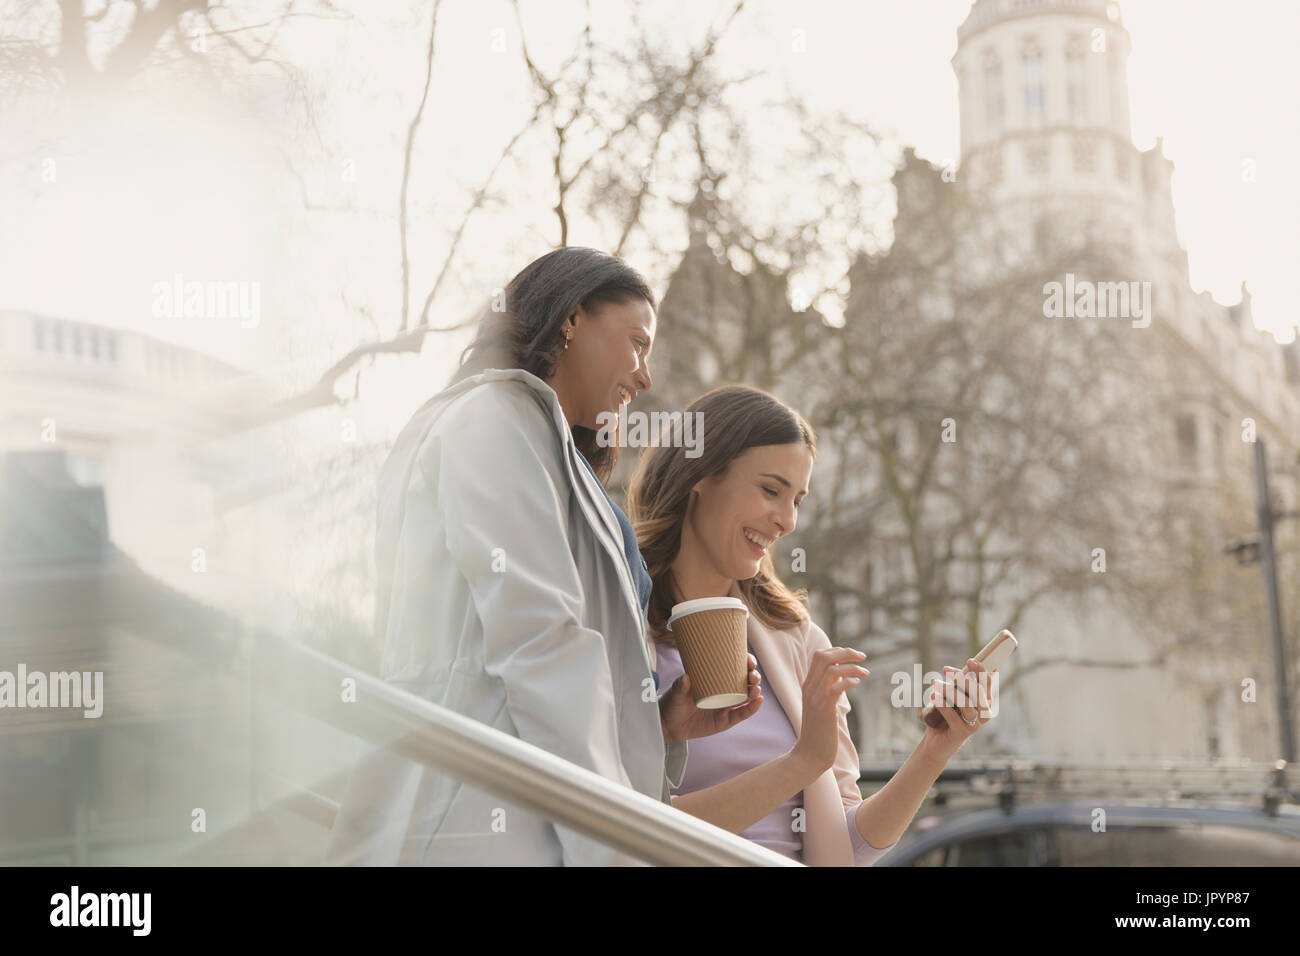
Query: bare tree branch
[
  {"x": 321, "y": 394},
  {"x": 406, "y": 168}
]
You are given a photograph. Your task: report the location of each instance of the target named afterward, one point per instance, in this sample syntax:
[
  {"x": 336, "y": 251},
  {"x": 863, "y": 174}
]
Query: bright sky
[
  {"x": 202, "y": 195},
  {"x": 1220, "y": 82}
]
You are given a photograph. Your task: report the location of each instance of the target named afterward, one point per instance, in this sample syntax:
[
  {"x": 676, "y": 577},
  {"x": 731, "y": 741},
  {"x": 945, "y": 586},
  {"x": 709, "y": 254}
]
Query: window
[
  {"x": 933, "y": 857},
  {"x": 993, "y": 89},
  {"x": 1076, "y": 78},
  {"x": 1026, "y": 847},
  {"x": 1210, "y": 715},
  {"x": 1117, "y": 117},
  {"x": 38, "y": 334},
  {"x": 1188, "y": 844},
  {"x": 1034, "y": 82},
  {"x": 1187, "y": 440},
  {"x": 58, "y": 336},
  {"x": 1037, "y": 160},
  {"x": 1042, "y": 232},
  {"x": 1085, "y": 156}
]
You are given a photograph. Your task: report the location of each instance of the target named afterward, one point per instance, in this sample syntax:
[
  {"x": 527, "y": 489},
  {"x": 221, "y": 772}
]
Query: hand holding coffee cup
[{"x": 710, "y": 634}]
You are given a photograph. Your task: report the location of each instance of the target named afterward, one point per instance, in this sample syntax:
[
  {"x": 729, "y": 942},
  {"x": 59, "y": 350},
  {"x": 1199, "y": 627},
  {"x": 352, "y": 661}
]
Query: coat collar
[
  {"x": 595, "y": 503},
  {"x": 579, "y": 474}
]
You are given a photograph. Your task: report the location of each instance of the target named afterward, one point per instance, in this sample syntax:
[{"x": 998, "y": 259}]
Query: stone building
[{"x": 1047, "y": 155}]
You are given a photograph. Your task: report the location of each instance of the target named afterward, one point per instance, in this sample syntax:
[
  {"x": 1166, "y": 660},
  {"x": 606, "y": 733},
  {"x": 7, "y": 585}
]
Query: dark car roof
[{"x": 958, "y": 825}]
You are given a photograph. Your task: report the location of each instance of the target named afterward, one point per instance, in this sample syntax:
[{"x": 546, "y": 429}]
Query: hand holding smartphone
[{"x": 993, "y": 655}]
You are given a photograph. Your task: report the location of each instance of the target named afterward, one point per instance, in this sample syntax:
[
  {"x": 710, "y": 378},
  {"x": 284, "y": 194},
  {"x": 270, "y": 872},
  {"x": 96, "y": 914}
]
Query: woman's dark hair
[
  {"x": 734, "y": 419},
  {"x": 525, "y": 331}
]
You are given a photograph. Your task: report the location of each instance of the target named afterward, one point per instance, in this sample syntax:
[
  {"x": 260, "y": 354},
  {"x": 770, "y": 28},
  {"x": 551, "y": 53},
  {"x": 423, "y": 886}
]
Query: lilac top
[{"x": 752, "y": 742}]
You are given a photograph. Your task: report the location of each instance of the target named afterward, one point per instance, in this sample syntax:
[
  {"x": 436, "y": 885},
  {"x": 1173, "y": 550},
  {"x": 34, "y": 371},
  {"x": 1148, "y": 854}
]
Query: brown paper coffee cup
[{"x": 711, "y": 639}]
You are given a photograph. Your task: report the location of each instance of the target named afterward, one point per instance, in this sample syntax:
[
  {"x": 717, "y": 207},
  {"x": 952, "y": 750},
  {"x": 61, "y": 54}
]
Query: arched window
[{"x": 1033, "y": 80}]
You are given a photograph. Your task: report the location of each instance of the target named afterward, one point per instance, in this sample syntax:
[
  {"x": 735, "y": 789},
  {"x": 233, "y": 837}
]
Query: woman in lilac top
[{"x": 787, "y": 776}]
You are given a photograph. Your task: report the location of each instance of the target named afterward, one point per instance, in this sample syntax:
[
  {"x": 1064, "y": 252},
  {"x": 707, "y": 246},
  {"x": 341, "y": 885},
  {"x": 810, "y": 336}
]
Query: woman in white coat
[{"x": 510, "y": 586}]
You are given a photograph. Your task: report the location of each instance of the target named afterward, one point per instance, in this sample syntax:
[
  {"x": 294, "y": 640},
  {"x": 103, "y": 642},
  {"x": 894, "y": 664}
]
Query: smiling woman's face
[
  {"x": 757, "y": 497},
  {"x": 606, "y": 361}
]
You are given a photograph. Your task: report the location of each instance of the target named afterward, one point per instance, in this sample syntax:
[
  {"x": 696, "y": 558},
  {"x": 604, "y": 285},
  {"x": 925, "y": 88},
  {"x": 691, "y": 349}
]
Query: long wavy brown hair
[{"x": 734, "y": 418}]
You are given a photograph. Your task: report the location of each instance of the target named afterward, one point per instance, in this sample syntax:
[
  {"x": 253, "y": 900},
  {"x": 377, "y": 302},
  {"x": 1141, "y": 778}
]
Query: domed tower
[{"x": 1045, "y": 128}]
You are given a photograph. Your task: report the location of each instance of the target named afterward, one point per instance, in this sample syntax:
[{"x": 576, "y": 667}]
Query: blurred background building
[
  {"x": 1046, "y": 139},
  {"x": 1144, "y": 654},
  {"x": 120, "y": 454},
  {"x": 1085, "y": 482}
]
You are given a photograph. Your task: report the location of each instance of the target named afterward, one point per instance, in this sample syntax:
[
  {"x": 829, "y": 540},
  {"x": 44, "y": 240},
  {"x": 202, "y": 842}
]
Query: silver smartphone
[{"x": 993, "y": 655}]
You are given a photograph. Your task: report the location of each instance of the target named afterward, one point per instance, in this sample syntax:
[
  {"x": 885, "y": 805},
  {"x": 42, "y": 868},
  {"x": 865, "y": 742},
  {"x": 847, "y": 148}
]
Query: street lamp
[{"x": 1260, "y": 549}]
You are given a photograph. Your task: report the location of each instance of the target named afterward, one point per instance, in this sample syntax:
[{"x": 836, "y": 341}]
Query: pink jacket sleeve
[{"x": 847, "y": 767}]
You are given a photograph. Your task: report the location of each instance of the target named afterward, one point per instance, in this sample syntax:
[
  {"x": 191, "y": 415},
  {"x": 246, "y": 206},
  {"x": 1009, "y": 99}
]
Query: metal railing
[
  {"x": 1267, "y": 785},
  {"x": 563, "y": 792}
]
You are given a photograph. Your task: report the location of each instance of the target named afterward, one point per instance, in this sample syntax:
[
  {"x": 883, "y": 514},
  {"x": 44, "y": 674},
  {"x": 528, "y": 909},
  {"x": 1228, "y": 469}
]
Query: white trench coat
[{"x": 504, "y": 594}]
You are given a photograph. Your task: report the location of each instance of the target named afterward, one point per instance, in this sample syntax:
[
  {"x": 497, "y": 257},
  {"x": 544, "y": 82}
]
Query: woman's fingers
[
  {"x": 981, "y": 688},
  {"x": 952, "y": 694},
  {"x": 965, "y": 697},
  {"x": 956, "y": 722},
  {"x": 741, "y": 711},
  {"x": 847, "y": 670},
  {"x": 840, "y": 662},
  {"x": 974, "y": 681},
  {"x": 832, "y": 657},
  {"x": 836, "y": 679},
  {"x": 954, "y": 701}
]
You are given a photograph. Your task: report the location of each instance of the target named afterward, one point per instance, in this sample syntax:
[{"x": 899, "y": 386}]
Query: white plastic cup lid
[{"x": 705, "y": 604}]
